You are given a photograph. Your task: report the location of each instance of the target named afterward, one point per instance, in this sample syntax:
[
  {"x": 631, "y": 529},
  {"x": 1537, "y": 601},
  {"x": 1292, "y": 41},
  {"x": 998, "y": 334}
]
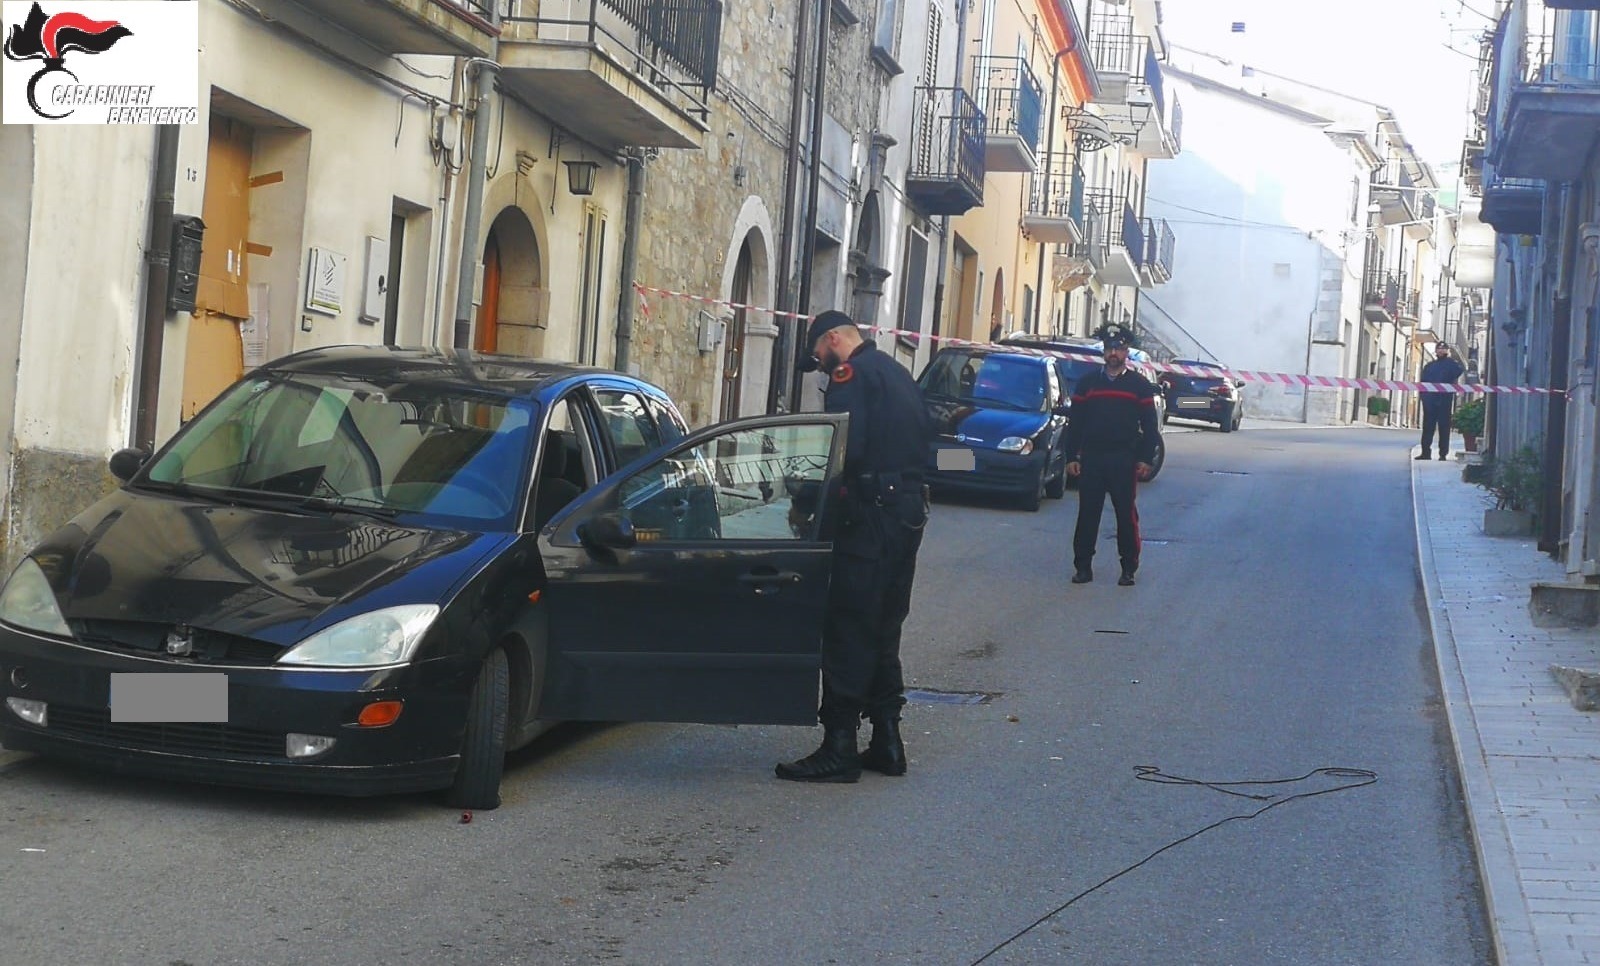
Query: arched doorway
[
  {"x": 515, "y": 309},
  {"x": 997, "y": 308},
  {"x": 733, "y": 347}
]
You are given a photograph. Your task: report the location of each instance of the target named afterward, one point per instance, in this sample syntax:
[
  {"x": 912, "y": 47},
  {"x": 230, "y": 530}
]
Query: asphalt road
[{"x": 1275, "y": 633}]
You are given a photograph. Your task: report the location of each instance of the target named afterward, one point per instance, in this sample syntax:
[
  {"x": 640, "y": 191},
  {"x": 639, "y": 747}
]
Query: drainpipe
[
  {"x": 630, "y": 257},
  {"x": 783, "y": 349},
  {"x": 1555, "y": 432},
  {"x": 944, "y": 221},
  {"x": 158, "y": 272},
  {"x": 477, "y": 173},
  {"x": 809, "y": 241},
  {"x": 1044, "y": 196}
]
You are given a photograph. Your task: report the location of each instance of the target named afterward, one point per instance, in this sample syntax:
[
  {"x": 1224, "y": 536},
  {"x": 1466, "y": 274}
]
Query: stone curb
[{"x": 1509, "y": 919}]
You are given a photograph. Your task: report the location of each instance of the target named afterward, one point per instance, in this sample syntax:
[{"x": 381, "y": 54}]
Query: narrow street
[{"x": 1275, "y": 634}]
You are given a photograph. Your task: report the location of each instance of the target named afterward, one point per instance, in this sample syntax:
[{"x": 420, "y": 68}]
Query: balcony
[
  {"x": 1012, "y": 100},
  {"x": 450, "y": 27},
  {"x": 1514, "y": 206},
  {"x": 1472, "y": 165},
  {"x": 1552, "y": 119},
  {"x": 1381, "y": 302},
  {"x": 1117, "y": 243},
  {"x": 1055, "y": 208},
  {"x": 1399, "y": 197},
  {"x": 1159, "y": 245},
  {"x": 946, "y": 174},
  {"x": 616, "y": 73},
  {"x": 1134, "y": 101},
  {"x": 1118, "y": 55}
]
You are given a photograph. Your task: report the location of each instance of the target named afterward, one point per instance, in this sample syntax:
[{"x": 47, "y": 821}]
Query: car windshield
[
  {"x": 1004, "y": 382},
  {"x": 327, "y": 442}
]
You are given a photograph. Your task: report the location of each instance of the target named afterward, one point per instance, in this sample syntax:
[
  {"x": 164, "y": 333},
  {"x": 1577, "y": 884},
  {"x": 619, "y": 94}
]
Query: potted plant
[
  {"x": 1377, "y": 410},
  {"x": 1516, "y": 485},
  {"x": 1469, "y": 421}
]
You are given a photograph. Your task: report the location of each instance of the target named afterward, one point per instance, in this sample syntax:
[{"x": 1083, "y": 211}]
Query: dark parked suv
[{"x": 1214, "y": 399}]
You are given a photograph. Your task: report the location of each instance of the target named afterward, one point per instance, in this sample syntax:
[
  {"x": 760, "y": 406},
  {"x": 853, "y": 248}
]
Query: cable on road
[{"x": 1348, "y": 778}]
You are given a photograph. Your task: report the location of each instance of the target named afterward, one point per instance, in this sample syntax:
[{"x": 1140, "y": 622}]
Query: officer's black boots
[
  {"x": 1126, "y": 580},
  {"x": 885, "y": 753},
  {"x": 1083, "y": 576},
  {"x": 836, "y": 761}
]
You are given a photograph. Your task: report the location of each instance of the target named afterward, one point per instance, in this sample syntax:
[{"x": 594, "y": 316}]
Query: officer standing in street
[
  {"x": 882, "y": 508},
  {"x": 1436, "y": 406},
  {"x": 1112, "y": 435}
]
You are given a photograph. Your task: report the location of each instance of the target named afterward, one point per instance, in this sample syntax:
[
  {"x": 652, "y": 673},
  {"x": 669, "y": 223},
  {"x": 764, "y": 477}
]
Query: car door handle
[{"x": 767, "y": 579}]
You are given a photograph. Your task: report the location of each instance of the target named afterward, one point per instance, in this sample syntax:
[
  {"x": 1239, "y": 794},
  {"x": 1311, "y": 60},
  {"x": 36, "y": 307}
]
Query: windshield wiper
[{"x": 364, "y": 506}]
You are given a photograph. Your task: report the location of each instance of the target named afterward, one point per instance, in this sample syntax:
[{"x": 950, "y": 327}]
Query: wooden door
[
  {"x": 488, "y": 334},
  {"x": 214, "y": 354}
]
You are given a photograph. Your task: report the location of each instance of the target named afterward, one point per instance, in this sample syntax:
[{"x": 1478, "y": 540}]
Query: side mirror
[
  {"x": 1238, "y": 384},
  {"x": 612, "y": 531},
  {"x": 126, "y": 462},
  {"x": 1065, "y": 409}
]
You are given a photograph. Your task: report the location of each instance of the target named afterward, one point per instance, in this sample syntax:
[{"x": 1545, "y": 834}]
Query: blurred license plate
[
  {"x": 956, "y": 459},
  {"x": 158, "y": 698},
  {"x": 1194, "y": 404}
]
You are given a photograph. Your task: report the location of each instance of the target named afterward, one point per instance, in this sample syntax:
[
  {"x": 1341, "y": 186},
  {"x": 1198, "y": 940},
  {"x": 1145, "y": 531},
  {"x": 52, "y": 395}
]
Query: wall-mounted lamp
[{"x": 580, "y": 176}]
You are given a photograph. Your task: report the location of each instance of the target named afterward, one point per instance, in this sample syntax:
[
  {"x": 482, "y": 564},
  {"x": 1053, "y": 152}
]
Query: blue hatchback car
[
  {"x": 368, "y": 570},
  {"x": 999, "y": 416}
]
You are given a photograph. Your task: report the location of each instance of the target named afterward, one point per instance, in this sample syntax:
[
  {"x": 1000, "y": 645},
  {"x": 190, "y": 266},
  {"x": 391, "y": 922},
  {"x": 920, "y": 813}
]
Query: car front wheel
[
  {"x": 483, "y": 748},
  {"x": 1159, "y": 460}
]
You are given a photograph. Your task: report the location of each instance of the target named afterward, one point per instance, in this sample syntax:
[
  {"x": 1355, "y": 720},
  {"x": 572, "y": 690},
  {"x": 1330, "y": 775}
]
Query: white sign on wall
[{"x": 325, "y": 274}]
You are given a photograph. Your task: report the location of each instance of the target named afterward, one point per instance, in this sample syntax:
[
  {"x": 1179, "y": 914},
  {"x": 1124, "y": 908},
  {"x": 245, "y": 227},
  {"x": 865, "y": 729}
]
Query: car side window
[
  {"x": 567, "y": 464},
  {"x": 627, "y": 423},
  {"x": 668, "y": 421},
  {"x": 746, "y": 484}
]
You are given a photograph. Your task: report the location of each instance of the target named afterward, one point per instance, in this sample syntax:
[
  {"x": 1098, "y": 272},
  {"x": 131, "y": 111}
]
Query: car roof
[
  {"x": 451, "y": 369},
  {"x": 1072, "y": 343},
  {"x": 991, "y": 350},
  {"x": 1197, "y": 362}
]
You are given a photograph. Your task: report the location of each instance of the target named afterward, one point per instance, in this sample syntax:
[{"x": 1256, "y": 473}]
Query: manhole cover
[{"x": 929, "y": 696}]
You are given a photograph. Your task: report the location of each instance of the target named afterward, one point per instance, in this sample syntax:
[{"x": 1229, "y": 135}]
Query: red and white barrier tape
[{"x": 1266, "y": 378}]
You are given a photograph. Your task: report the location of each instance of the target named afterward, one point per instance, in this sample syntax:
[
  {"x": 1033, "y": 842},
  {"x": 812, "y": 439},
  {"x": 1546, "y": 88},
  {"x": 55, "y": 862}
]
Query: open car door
[{"x": 691, "y": 585}]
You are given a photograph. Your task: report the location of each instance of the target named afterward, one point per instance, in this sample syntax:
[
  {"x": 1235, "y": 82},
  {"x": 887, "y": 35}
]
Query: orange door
[{"x": 488, "y": 335}]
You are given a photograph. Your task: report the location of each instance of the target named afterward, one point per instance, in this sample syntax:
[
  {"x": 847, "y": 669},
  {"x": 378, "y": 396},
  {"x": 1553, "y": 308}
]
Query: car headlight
[
  {"x": 1016, "y": 444},
  {"x": 388, "y": 636},
  {"x": 28, "y": 601}
]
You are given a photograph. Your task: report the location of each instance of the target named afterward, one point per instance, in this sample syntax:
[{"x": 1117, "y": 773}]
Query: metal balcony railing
[
  {"x": 1561, "y": 51},
  {"x": 1177, "y": 122},
  {"x": 1118, "y": 49},
  {"x": 1159, "y": 245},
  {"x": 1131, "y": 234},
  {"x": 673, "y": 45},
  {"x": 1058, "y": 193},
  {"x": 1012, "y": 98},
  {"x": 1154, "y": 80},
  {"x": 949, "y": 136},
  {"x": 478, "y": 8},
  {"x": 1116, "y": 222}
]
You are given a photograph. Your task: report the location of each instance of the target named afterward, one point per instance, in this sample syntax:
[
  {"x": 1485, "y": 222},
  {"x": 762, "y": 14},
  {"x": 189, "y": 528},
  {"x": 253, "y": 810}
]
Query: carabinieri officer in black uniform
[
  {"x": 883, "y": 508},
  {"x": 1111, "y": 444}
]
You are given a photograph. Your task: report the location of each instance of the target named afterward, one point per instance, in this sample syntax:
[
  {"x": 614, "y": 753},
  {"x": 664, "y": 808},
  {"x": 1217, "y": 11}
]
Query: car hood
[
  {"x": 259, "y": 573},
  {"x": 983, "y": 428}
]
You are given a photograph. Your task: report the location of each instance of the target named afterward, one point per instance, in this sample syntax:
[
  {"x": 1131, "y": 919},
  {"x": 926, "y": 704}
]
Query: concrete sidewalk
[{"x": 1530, "y": 761}]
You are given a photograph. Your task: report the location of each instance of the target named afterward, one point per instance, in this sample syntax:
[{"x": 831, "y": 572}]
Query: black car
[
  {"x": 1070, "y": 370},
  {"x": 1212, "y": 398},
  {"x": 998, "y": 417},
  {"x": 368, "y": 570}
]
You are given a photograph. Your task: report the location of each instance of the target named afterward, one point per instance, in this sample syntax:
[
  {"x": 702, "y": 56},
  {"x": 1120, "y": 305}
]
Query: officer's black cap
[
  {"x": 824, "y": 321},
  {"x": 1116, "y": 336}
]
